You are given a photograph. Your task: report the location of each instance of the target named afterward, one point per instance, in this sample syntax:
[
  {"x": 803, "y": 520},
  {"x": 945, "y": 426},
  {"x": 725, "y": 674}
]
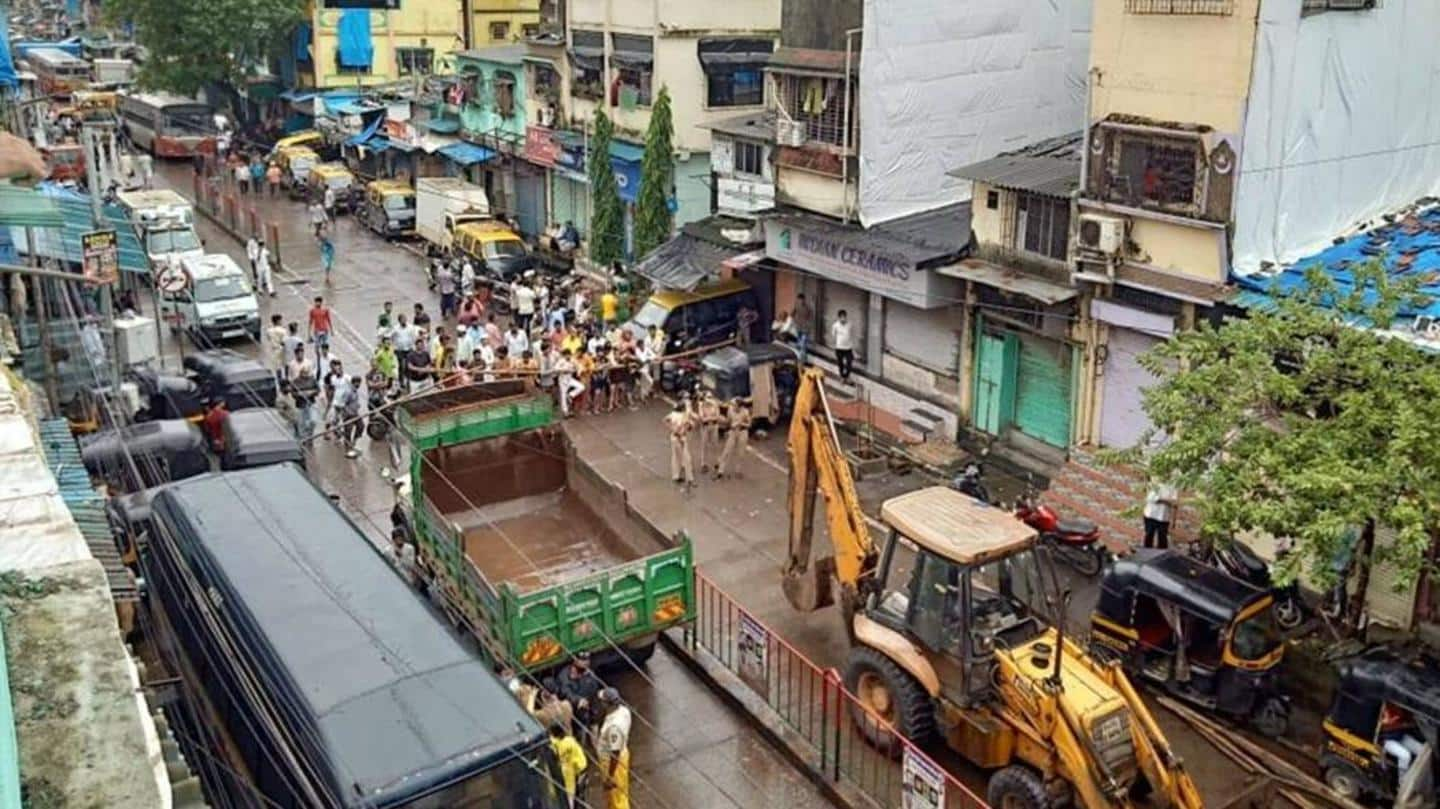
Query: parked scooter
[
  {"x": 1240, "y": 561},
  {"x": 1076, "y": 542}
]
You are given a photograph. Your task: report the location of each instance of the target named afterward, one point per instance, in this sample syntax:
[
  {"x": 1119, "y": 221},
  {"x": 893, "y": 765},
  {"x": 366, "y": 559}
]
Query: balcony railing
[{"x": 1212, "y": 7}]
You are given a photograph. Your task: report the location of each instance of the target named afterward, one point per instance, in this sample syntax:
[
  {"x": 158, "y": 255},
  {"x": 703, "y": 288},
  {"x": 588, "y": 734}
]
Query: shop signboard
[{"x": 863, "y": 259}]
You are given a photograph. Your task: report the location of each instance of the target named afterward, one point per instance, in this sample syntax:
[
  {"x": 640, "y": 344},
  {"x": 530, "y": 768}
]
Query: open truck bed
[{"x": 526, "y": 545}]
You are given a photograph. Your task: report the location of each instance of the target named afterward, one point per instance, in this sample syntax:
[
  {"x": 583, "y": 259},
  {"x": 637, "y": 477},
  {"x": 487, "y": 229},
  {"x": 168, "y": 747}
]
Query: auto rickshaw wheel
[
  {"x": 1017, "y": 788},
  {"x": 889, "y": 692},
  {"x": 1272, "y": 717},
  {"x": 1345, "y": 781},
  {"x": 1288, "y": 613}
]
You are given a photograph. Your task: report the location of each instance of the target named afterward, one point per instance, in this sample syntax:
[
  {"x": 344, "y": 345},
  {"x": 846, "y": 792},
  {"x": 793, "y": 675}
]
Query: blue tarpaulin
[
  {"x": 64, "y": 243},
  {"x": 467, "y": 153},
  {"x": 1408, "y": 248},
  {"x": 367, "y": 133},
  {"x": 7, "y": 65},
  {"x": 302, "y": 42},
  {"x": 356, "y": 49}
]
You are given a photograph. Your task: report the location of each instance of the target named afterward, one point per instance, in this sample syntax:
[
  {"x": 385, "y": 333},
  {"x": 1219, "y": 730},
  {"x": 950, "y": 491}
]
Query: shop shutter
[
  {"x": 929, "y": 338},
  {"x": 572, "y": 203},
  {"x": 530, "y": 203},
  {"x": 1042, "y": 390},
  {"x": 1122, "y": 420},
  {"x": 1383, "y": 604},
  {"x": 839, "y": 296}
]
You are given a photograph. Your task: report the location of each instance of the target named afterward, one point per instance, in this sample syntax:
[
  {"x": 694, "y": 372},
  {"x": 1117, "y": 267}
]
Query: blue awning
[
  {"x": 367, "y": 134},
  {"x": 63, "y": 243},
  {"x": 467, "y": 153},
  {"x": 351, "y": 106},
  {"x": 399, "y": 146},
  {"x": 297, "y": 95},
  {"x": 356, "y": 49}
]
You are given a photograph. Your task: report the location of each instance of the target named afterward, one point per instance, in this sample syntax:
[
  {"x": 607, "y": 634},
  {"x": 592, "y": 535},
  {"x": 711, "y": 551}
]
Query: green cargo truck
[{"x": 523, "y": 544}]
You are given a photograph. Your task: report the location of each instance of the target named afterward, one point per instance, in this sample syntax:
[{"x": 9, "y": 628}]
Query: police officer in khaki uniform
[
  {"x": 679, "y": 422},
  {"x": 710, "y": 418},
  {"x": 737, "y": 440}
]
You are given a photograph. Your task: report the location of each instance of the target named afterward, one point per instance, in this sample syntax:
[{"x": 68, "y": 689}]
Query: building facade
[
  {"x": 598, "y": 54},
  {"x": 353, "y": 45},
  {"x": 500, "y": 22}
]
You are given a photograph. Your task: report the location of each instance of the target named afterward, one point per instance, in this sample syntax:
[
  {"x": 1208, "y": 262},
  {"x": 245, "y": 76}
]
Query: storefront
[
  {"x": 563, "y": 154},
  {"x": 1130, "y": 332}
]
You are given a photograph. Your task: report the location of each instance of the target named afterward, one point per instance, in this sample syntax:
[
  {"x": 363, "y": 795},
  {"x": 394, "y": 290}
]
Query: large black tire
[
  {"x": 640, "y": 655},
  {"x": 890, "y": 692},
  {"x": 1345, "y": 781},
  {"x": 1017, "y": 788}
]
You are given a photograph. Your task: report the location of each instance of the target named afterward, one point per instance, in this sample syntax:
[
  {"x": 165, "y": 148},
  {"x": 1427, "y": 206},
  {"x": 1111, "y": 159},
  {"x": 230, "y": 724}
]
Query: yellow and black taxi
[
  {"x": 1380, "y": 732},
  {"x": 1196, "y": 631}
]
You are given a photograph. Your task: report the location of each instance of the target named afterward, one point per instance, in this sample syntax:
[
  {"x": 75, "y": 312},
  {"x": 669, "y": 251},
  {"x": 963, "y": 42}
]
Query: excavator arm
[{"x": 818, "y": 463}]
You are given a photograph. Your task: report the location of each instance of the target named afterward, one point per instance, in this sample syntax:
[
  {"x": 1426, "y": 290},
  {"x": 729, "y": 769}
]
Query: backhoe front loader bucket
[{"x": 811, "y": 588}]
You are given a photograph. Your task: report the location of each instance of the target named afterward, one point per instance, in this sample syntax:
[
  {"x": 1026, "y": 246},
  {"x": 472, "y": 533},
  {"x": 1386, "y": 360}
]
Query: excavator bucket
[{"x": 812, "y": 588}]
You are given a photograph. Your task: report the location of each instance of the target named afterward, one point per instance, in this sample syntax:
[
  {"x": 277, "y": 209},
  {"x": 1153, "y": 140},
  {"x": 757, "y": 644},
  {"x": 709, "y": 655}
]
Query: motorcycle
[
  {"x": 378, "y": 425},
  {"x": 1244, "y": 564},
  {"x": 1076, "y": 542},
  {"x": 971, "y": 482}
]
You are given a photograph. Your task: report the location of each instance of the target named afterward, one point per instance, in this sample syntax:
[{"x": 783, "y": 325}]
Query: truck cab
[
  {"x": 389, "y": 208},
  {"x": 499, "y": 252},
  {"x": 442, "y": 205},
  {"x": 217, "y": 304}
]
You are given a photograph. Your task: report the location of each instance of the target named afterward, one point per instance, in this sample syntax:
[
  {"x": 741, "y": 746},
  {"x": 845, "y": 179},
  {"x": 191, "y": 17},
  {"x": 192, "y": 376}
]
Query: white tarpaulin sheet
[
  {"x": 1342, "y": 125},
  {"x": 37, "y": 530},
  {"x": 945, "y": 83}
]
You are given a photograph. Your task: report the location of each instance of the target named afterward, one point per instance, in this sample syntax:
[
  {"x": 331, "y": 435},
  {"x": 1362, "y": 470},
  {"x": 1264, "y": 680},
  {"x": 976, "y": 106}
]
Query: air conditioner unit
[
  {"x": 1101, "y": 234},
  {"x": 789, "y": 133}
]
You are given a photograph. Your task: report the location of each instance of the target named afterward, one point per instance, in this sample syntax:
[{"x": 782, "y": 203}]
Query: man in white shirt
[
  {"x": 467, "y": 278},
  {"x": 252, "y": 252},
  {"x": 275, "y": 343},
  {"x": 516, "y": 341},
  {"x": 524, "y": 304},
  {"x": 842, "y": 342},
  {"x": 318, "y": 217},
  {"x": 1160, "y": 504},
  {"x": 262, "y": 269},
  {"x": 329, "y": 200}
]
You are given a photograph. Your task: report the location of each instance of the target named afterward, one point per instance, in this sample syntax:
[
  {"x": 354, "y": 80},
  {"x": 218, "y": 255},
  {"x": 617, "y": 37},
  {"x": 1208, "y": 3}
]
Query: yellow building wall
[
  {"x": 516, "y": 14},
  {"x": 1190, "y": 251},
  {"x": 1188, "y": 68},
  {"x": 434, "y": 24}
]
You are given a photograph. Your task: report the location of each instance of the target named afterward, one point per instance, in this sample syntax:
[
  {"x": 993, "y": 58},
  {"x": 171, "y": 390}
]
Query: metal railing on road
[{"x": 830, "y": 722}]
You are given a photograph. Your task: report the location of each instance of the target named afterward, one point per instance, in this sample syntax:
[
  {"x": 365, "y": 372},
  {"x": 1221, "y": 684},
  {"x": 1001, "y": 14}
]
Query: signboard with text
[
  {"x": 100, "y": 253},
  {"x": 922, "y": 784},
  {"x": 857, "y": 258}
]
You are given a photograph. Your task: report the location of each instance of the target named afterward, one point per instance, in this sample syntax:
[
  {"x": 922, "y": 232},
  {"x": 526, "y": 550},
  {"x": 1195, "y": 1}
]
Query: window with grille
[
  {"x": 499, "y": 31},
  {"x": 734, "y": 71},
  {"x": 1042, "y": 225},
  {"x": 415, "y": 61},
  {"x": 633, "y": 59},
  {"x": 749, "y": 158},
  {"x": 587, "y": 62},
  {"x": 1218, "y": 7},
  {"x": 817, "y": 105},
  {"x": 1317, "y": 6},
  {"x": 504, "y": 93},
  {"x": 1148, "y": 171}
]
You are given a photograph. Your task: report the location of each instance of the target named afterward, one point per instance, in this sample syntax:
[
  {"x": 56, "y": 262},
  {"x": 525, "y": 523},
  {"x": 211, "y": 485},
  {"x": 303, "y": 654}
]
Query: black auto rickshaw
[
  {"x": 766, "y": 373},
  {"x": 229, "y": 375},
  {"x": 162, "y": 451},
  {"x": 1380, "y": 733},
  {"x": 1196, "y": 631},
  {"x": 259, "y": 436},
  {"x": 129, "y": 518},
  {"x": 167, "y": 396}
]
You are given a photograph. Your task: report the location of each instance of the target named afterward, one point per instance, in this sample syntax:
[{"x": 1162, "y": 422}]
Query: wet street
[{"x": 690, "y": 748}]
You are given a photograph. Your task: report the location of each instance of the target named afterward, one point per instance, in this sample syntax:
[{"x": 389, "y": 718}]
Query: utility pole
[{"x": 102, "y": 159}]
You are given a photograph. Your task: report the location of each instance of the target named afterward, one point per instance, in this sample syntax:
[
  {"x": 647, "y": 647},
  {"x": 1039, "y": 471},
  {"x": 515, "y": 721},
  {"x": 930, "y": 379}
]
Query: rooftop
[
  {"x": 1407, "y": 243},
  {"x": 504, "y": 54},
  {"x": 812, "y": 60},
  {"x": 1050, "y": 167},
  {"x": 758, "y": 125}
]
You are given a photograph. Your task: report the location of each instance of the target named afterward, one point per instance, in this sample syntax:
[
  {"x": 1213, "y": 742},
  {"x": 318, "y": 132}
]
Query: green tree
[
  {"x": 1305, "y": 421},
  {"x": 192, "y": 44},
  {"x": 607, "y": 214},
  {"x": 652, "y": 208}
]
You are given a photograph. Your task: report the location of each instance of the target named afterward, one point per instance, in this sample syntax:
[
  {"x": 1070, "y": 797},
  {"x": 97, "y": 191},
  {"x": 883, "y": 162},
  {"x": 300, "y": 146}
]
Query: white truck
[
  {"x": 443, "y": 204},
  {"x": 216, "y": 304},
  {"x": 165, "y": 223},
  {"x": 113, "y": 72}
]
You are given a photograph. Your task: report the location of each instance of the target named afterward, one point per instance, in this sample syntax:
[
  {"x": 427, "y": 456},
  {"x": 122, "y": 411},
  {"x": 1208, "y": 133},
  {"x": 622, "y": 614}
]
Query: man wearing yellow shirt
[
  {"x": 571, "y": 758},
  {"x": 609, "y": 307}
]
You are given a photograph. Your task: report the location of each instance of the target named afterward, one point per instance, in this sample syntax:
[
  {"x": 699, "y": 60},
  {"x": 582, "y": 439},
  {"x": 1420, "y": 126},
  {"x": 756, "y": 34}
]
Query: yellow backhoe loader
[{"x": 953, "y": 631}]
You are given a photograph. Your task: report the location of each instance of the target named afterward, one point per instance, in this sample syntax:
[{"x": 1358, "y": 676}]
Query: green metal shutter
[
  {"x": 995, "y": 370},
  {"x": 1042, "y": 406}
]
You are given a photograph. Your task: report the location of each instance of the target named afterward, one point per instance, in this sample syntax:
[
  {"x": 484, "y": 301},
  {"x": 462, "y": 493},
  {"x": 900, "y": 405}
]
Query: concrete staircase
[{"x": 1085, "y": 488}]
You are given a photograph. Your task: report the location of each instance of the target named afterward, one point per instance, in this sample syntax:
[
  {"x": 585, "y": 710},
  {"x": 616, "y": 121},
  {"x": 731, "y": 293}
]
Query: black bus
[{"x": 318, "y": 676}]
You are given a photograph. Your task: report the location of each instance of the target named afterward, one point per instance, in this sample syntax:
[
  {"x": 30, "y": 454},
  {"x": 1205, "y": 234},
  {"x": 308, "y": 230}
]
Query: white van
[
  {"x": 165, "y": 223},
  {"x": 218, "y": 303}
]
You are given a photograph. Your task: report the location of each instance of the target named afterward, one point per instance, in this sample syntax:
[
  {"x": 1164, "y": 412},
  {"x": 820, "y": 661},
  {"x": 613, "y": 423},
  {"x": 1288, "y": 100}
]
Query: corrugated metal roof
[
  {"x": 64, "y": 242},
  {"x": 26, "y": 207},
  {"x": 944, "y": 230},
  {"x": 1050, "y": 167},
  {"x": 684, "y": 262},
  {"x": 86, "y": 505}
]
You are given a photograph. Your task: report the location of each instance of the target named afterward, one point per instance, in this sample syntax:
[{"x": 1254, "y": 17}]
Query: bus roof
[
  {"x": 162, "y": 99},
  {"x": 52, "y": 56},
  {"x": 394, "y": 702}
]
